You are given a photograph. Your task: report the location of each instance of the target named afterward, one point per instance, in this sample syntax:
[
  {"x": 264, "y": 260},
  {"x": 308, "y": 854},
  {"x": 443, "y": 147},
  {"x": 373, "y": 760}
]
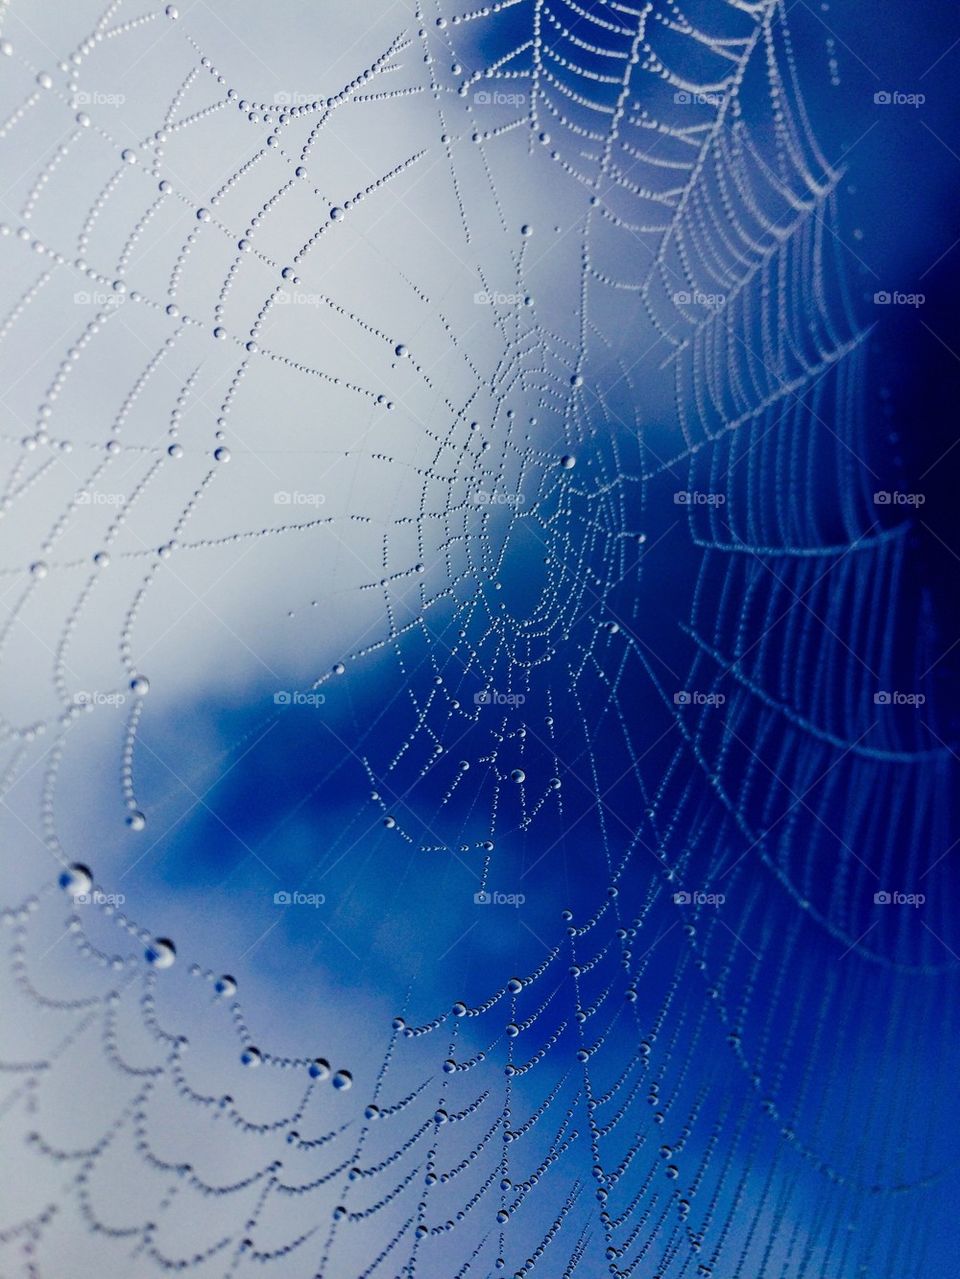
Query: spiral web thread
[{"x": 656, "y": 1096}]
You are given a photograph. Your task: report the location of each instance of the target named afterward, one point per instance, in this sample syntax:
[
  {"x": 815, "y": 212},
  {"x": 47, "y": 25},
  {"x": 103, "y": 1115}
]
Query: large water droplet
[
  {"x": 161, "y": 953},
  {"x": 76, "y": 880}
]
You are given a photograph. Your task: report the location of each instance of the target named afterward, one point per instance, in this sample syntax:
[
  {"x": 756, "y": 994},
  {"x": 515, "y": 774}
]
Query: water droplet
[
  {"x": 319, "y": 1068},
  {"x": 568, "y": 461},
  {"x": 251, "y": 1056},
  {"x": 518, "y": 775},
  {"x": 342, "y": 1080},
  {"x": 225, "y": 986},
  {"x": 161, "y": 953},
  {"x": 221, "y": 454},
  {"x": 140, "y": 685},
  {"x": 136, "y": 820},
  {"x": 76, "y": 880}
]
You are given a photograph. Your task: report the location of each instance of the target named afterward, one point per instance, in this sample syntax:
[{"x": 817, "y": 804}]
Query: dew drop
[
  {"x": 76, "y": 880},
  {"x": 161, "y": 953}
]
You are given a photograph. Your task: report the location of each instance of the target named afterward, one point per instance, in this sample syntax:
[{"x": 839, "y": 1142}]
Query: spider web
[{"x": 674, "y": 1084}]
